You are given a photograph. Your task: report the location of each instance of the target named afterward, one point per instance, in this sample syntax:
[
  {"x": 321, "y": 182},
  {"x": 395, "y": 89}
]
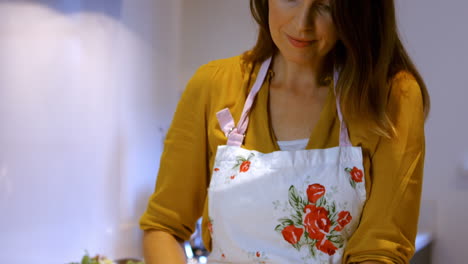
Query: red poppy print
[
  {"x": 314, "y": 192},
  {"x": 232, "y": 177},
  {"x": 344, "y": 217},
  {"x": 244, "y": 167},
  {"x": 216, "y": 169},
  {"x": 356, "y": 174},
  {"x": 242, "y": 163},
  {"x": 316, "y": 221},
  {"x": 292, "y": 234},
  {"x": 326, "y": 246},
  {"x": 257, "y": 256}
]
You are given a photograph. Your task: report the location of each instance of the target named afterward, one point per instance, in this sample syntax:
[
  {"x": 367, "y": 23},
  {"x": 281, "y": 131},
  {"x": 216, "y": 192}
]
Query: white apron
[{"x": 285, "y": 206}]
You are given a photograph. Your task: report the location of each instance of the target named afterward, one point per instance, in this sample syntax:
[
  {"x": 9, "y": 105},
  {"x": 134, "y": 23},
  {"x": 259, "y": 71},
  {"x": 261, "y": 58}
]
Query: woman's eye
[{"x": 323, "y": 8}]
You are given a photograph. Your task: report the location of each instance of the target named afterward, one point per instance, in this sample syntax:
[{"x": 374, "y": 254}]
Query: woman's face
[{"x": 303, "y": 30}]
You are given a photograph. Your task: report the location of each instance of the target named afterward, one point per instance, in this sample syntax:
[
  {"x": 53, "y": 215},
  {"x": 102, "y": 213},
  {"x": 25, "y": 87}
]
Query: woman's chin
[{"x": 301, "y": 58}]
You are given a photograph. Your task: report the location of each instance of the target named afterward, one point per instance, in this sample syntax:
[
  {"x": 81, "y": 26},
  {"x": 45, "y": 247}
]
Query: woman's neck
[{"x": 296, "y": 77}]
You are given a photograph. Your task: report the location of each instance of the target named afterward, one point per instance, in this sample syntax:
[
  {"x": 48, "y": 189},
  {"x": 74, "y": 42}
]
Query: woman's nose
[{"x": 304, "y": 18}]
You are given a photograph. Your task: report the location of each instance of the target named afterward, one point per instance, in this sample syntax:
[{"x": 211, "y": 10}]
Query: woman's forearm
[{"x": 160, "y": 247}]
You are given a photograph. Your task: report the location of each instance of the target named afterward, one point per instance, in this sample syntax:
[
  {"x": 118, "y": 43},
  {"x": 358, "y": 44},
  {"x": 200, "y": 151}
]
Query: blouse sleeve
[
  {"x": 180, "y": 191},
  {"x": 388, "y": 226}
]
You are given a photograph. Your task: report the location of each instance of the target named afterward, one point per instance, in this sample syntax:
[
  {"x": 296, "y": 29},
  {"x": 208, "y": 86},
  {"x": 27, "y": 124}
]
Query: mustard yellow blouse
[{"x": 393, "y": 168}]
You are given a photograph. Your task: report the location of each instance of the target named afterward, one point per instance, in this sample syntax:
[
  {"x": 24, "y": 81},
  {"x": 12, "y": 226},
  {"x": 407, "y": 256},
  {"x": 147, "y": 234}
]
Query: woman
[{"x": 307, "y": 149}]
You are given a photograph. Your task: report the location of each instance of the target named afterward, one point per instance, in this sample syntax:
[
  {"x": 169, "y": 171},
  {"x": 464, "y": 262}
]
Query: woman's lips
[{"x": 299, "y": 43}]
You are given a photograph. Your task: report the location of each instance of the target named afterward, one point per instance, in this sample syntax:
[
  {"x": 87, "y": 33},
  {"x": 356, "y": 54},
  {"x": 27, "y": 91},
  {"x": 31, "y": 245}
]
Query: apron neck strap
[
  {"x": 344, "y": 136},
  {"x": 235, "y": 134}
]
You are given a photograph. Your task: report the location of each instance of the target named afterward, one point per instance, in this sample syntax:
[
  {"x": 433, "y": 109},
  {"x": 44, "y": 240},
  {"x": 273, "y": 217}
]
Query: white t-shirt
[{"x": 297, "y": 144}]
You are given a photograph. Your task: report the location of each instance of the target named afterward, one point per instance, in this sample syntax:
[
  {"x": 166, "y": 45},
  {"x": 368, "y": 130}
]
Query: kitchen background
[{"x": 88, "y": 89}]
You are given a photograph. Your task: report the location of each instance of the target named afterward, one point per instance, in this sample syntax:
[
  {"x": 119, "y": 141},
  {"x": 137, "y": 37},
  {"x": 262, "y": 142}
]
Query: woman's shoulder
[
  {"x": 234, "y": 62},
  {"x": 221, "y": 69},
  {"x": 404, "y": 86},
  {"x": 404, "y": 100},
  {"x": 217, "y": 78}
]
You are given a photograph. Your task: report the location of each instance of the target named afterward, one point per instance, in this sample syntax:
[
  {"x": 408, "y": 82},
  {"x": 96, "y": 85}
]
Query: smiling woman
[
  {"x": 304, "y": 35},
  {"x": 331, "y": 81}
]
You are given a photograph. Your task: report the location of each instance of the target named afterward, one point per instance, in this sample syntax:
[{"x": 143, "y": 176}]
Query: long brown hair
[{"x": 369, "y": 54}]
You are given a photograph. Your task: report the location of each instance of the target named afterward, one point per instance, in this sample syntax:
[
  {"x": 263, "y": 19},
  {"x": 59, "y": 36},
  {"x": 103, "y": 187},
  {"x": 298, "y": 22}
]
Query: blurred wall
[
  {"x": 213, "y": 29},
  {"x": 87, "y": 89}
]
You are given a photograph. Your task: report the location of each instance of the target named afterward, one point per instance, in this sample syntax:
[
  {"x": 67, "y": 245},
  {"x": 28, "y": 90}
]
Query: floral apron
[{"x": 285, "y": 206}]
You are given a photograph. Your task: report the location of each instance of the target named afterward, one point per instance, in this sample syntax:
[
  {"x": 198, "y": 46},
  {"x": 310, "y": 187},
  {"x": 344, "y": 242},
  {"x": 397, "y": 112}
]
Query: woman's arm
[
  {"x": 388, "y": 225},
  {"x": 160, "y": 247},
  {"x": 180, "y": 192}
]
